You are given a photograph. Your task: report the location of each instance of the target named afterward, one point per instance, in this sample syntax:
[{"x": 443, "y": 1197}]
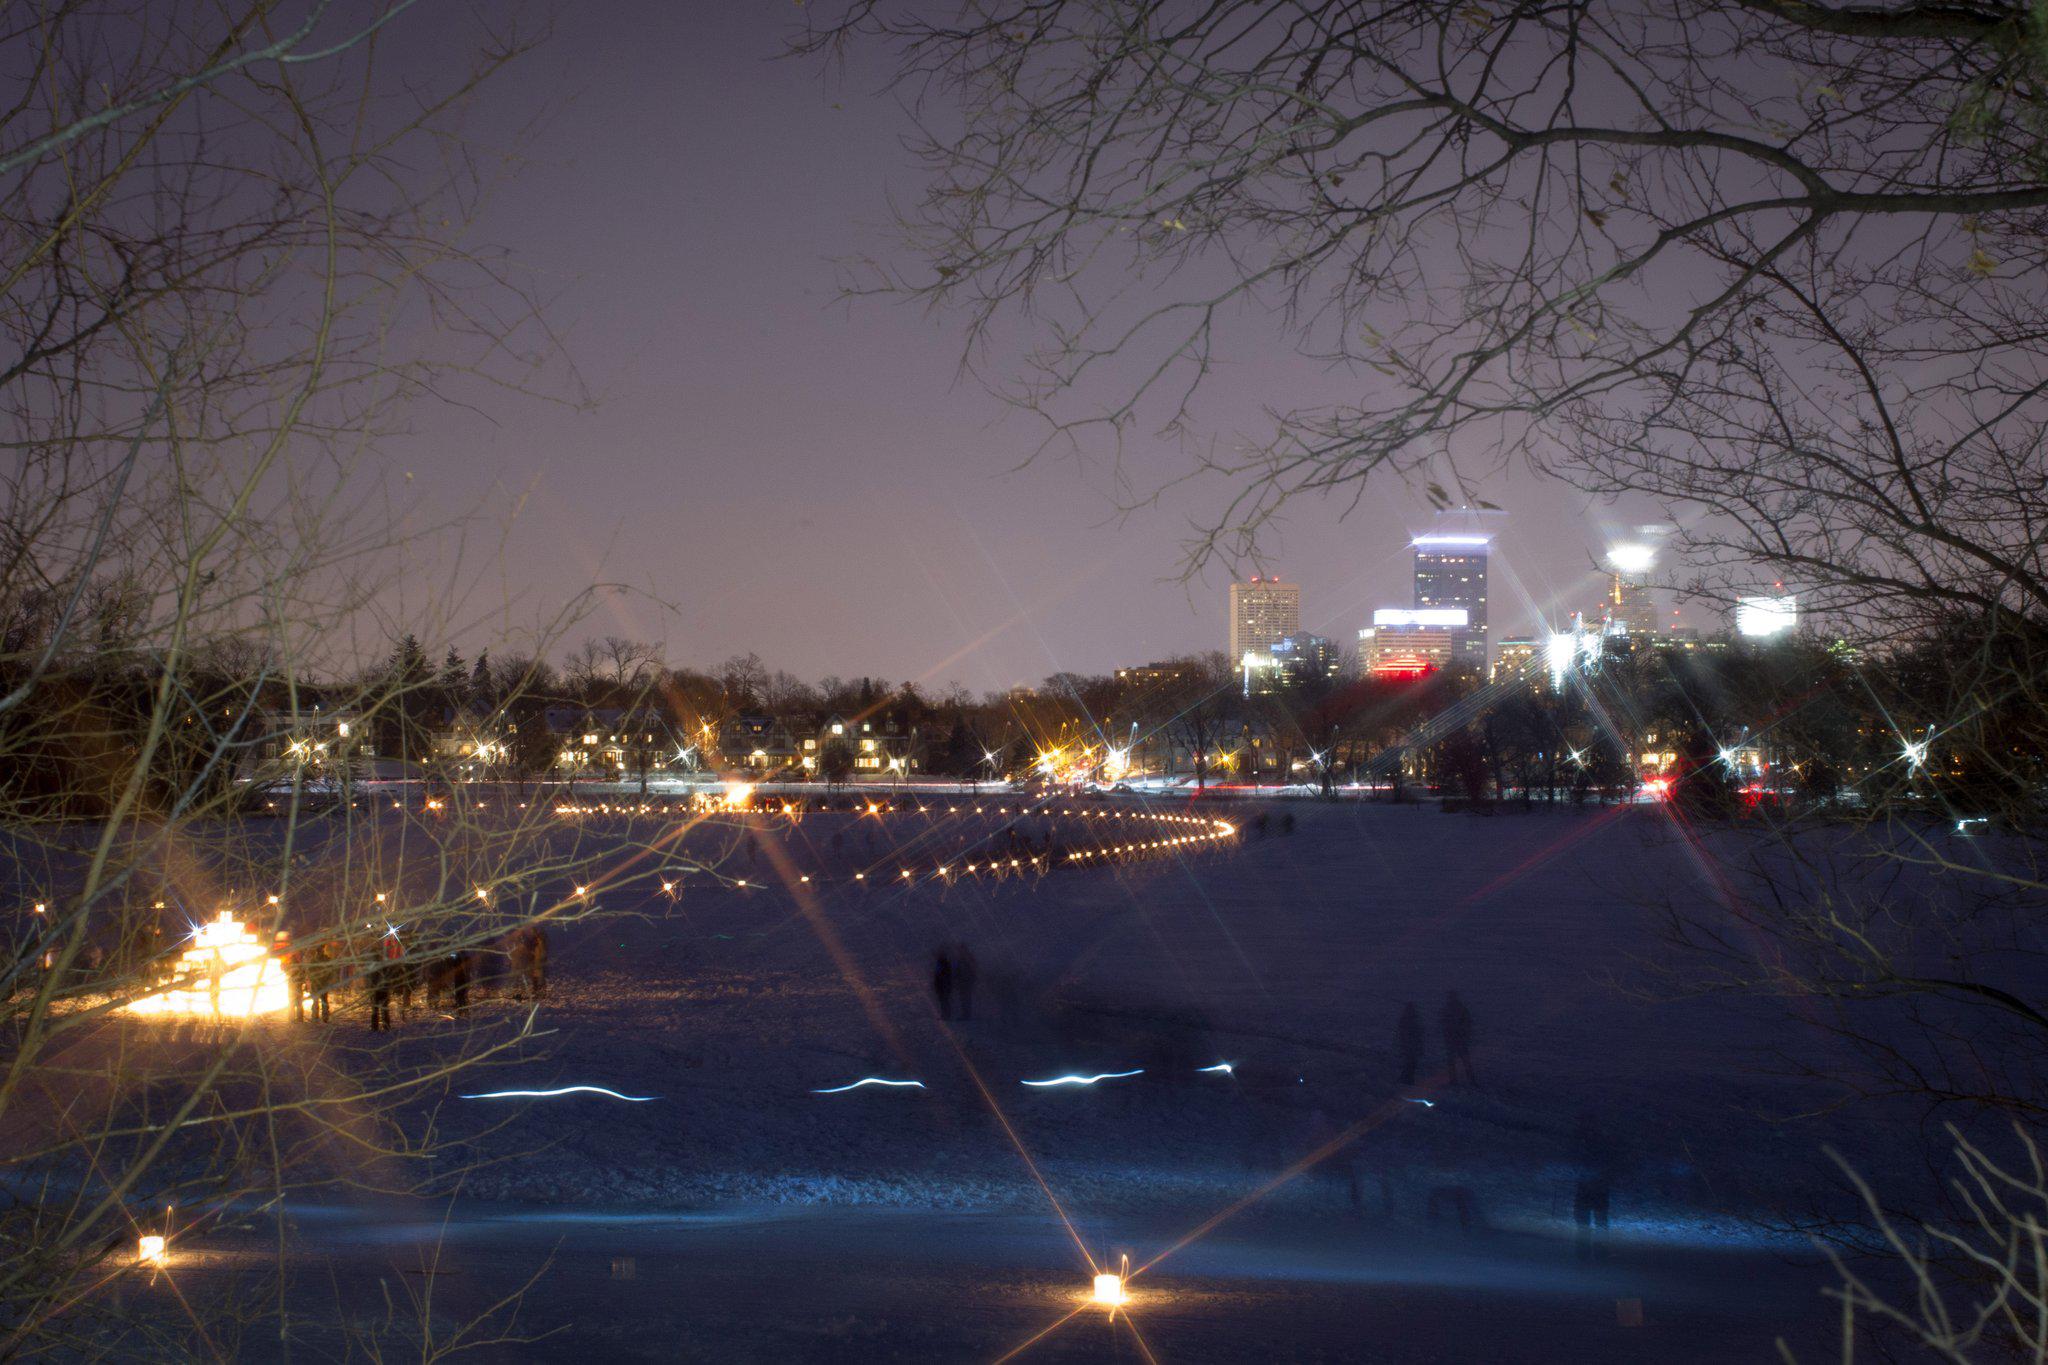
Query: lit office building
[
  {"x": 1408, "y": 642},
  {"x": 1450, "y": 574},
  {"x": 1766, "y": 618},
  {"x": 1263, "y": 612},
  {"x": 1518, "y": 658}
]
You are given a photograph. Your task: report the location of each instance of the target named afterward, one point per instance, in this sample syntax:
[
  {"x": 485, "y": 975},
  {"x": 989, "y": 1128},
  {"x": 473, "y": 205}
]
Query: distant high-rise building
[
  {"x": 1303, "y": 659},
  {"x": 1263, "y": 612},
  {"x": 1450, "y": 571},
  {"x": 1293, "y": 661}
]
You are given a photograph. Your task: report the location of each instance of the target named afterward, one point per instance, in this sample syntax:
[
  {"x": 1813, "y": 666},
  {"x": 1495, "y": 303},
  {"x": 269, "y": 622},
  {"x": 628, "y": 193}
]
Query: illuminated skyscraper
[
  {"x": 1263, "y": 612},
  {"x": 1450, "y": 571}
]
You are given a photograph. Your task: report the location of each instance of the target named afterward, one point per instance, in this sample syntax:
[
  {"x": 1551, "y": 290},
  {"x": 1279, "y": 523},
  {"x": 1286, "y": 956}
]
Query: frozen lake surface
[{"x": 1302, "y": 1205}]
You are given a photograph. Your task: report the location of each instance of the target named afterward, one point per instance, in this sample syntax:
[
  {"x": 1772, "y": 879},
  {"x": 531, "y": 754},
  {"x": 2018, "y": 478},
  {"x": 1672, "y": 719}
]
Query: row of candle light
[{"x": 1209, "y": 831}]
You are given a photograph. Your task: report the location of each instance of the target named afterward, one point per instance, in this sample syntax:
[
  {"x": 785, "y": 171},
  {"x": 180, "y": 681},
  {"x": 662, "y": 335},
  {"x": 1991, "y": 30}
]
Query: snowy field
[{"x": 1300, "y": 1205}]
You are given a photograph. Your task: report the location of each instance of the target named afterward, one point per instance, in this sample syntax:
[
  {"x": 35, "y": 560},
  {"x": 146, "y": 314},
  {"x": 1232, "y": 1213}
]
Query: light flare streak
[
  {"x": 1085, "y": 1080},
  {"x": 869, "y": 1080},
  {"x": 564, "y": 1090}
]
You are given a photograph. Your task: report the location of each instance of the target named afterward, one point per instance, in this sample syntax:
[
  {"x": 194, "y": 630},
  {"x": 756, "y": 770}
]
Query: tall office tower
[
  {"x": 1450, "y": 571},
  {"x": 1263, "y": 612}
]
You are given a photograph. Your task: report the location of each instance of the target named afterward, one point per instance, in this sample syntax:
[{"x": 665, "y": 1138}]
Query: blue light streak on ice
[
  {"x": 867, "y": 1080},
  {"x": 565, "y": 1090},
  {"x": 1224, "y": 1067},
  {"x": 1087, "y": 1080}
]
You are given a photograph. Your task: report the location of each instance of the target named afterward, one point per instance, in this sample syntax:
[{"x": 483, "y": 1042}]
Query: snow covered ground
[{"x": 926, "y": 1222}]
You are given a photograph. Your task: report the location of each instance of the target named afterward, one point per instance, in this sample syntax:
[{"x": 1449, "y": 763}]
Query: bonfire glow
[{"x": 227, "y": 973}]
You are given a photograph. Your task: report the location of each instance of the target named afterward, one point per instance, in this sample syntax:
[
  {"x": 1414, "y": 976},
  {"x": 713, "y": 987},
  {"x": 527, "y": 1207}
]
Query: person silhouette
[
  {"x": 963, "y": 978},
  {"x": 942, "y": 982},
  {"x": 1594, "y": 1160},
  {"x": 1456, "y": 1020},
  {"x": 1408, "y": 1041}
]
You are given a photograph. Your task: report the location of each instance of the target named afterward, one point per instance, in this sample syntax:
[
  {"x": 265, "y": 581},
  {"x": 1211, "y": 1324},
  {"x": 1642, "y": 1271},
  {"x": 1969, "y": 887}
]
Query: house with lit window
[
  {"x": 469, "y": 741},
  {"x": 306, "y": 730},
  {"x": 757, "y": 742},
  {"x": 609, "y": 740},
  {"x": 883, "y": 743}
]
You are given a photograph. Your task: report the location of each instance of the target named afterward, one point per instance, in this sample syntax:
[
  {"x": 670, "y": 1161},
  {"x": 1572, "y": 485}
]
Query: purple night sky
[{"x": 772, "y": 470}]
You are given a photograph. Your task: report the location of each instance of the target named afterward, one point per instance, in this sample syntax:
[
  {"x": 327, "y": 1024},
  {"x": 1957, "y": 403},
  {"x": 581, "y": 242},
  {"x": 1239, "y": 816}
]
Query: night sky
[{"x": 767, "y": 468}]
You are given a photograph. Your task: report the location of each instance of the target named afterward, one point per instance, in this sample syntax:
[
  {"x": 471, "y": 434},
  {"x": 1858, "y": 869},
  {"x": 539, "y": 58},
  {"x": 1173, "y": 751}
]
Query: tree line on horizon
[{"x": 1824, "y": 718}]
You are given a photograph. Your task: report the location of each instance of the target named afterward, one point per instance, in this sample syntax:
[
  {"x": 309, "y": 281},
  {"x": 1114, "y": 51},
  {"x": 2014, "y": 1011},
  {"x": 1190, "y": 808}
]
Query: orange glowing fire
[{"x": 227, "y": 973}]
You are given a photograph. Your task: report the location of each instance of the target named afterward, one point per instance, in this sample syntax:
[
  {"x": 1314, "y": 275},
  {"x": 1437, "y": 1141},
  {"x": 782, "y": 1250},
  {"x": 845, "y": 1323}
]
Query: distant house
[
  {"x": 469, "y": 741},
  {"x": 757, "y": 742},
  {"x": 609, "y": 740},
  {"x": 883, "y": 743},
  {"x": 315, "y": 731}
]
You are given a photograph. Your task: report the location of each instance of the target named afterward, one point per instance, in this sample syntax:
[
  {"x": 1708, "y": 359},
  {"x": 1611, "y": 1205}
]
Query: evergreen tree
[{"x": 483, "y": 689}]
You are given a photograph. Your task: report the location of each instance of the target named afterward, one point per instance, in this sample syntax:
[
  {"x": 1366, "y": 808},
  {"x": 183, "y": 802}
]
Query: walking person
[
  {"x": 1408, "y": 1041},
  {"x": 321, "y": 979},
  {"x": 380, "y": 997},
  {"x": 521, "y": 952},
  {"x": 405, "y": 975},
  {"x": 942, "y": 982},
  {"x": 1457, "y": 1025},
  {"x": 1594, "y": 1159},
  {"x": 294, "y": 974},
  {"x": 537, "y": 962},
  {"x": 963, "y": 978}
]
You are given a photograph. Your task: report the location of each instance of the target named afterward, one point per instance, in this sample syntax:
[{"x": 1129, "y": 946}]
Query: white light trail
[
  {"x": 1087, "y": 1080},
  {"x": 1426, "y": 1104},
  {"x": 868, "y": 1080},
  {"x": 565, "y": 1090},
  {"x": 1224, "y": 1067}
]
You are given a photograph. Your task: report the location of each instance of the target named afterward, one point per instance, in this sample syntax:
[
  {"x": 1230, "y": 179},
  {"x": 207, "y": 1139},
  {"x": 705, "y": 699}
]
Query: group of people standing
[{"x": 387, "y": 971}]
